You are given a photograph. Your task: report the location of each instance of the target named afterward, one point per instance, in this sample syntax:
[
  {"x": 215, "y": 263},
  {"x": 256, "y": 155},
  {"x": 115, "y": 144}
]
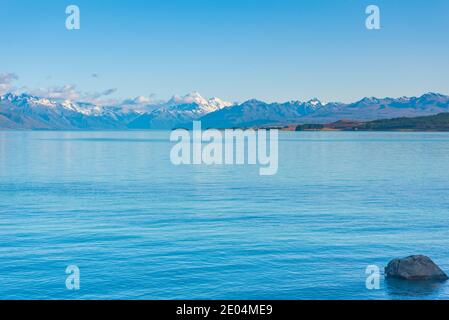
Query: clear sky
[{"x": 274, "y": 50}]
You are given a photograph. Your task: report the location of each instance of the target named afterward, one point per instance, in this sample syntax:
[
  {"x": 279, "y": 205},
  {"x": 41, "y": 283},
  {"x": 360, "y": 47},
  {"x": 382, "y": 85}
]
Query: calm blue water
[{"x": 140, "y": 228}]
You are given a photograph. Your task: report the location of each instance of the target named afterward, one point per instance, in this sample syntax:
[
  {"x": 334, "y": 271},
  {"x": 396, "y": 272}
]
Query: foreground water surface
[{"x": 140, "y": 228}]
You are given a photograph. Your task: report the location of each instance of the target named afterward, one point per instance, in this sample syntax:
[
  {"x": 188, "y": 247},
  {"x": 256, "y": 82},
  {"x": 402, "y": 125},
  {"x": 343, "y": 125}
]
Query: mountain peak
[
  {"x": 24, "y": 98},
  {"x": 198, "y": 102},
  {"x": 432, "y": 95},
  {"x": 314, "y": 102},
  {"x": 253, "y": 101},
  {"x": 219, "y": 103},
  {"x": 369, "y": 100}
]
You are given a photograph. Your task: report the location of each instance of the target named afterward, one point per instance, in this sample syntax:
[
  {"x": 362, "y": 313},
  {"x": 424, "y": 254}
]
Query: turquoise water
[{"x": 140, "y": 228}]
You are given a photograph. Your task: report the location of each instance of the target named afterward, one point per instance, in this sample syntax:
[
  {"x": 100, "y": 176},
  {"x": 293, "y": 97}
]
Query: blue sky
[{"x": 274, "y": 50}]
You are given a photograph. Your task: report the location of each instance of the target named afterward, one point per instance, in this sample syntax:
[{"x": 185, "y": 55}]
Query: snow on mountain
[
  {"x": 178, "y": 111},
  {"x": 217, "y": 104},
  {"x": 30, "y": 112},
  {"x": 197, "y": 102},
  {"x": 315, "y": 103},
  {"x": 190, "y": 98},
  {"x": 27, "y": 111},
  {"x": 46, "y": 104}
]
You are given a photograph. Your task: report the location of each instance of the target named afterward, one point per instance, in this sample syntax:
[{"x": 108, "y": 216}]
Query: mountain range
[{"x": 27, "y": 112}]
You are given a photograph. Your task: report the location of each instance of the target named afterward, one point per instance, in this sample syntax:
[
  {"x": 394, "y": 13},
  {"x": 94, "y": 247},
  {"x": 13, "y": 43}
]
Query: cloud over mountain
[
  {"x": 71, "y": 92},
  {"x": 6, "y": 80}
]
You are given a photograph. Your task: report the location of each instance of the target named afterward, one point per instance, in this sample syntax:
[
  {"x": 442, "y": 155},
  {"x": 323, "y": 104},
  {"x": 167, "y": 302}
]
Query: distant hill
[{"x": 439, "y": 122}]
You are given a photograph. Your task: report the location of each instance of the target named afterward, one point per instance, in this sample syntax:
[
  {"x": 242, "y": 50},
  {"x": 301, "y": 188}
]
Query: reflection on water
[{"x": 399, "y": 288}]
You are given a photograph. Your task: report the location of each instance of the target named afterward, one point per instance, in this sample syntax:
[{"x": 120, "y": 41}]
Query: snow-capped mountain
[
  {"x": 198, "y": 102},
  {"x": 46, "y": 104},
  {"x": 178, "y": 111},
  {"x": 31, "y": 112}
]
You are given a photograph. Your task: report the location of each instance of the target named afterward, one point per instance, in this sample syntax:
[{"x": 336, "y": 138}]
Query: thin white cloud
[
  {"x": 70, "y": 92},
  {"x": 138, "y": 100},
  {"x": 6, "y": 80},
  {"x": 141, "y": 100},
  {"x": 65, "y": 92}
]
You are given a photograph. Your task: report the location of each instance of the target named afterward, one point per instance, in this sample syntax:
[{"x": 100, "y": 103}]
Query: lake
[{"x": 139, "y": 227}]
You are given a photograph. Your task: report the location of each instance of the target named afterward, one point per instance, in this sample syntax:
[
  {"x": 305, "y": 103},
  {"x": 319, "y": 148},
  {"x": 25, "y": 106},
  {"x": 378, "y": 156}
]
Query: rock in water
[{"x": 415, "y": 268}]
